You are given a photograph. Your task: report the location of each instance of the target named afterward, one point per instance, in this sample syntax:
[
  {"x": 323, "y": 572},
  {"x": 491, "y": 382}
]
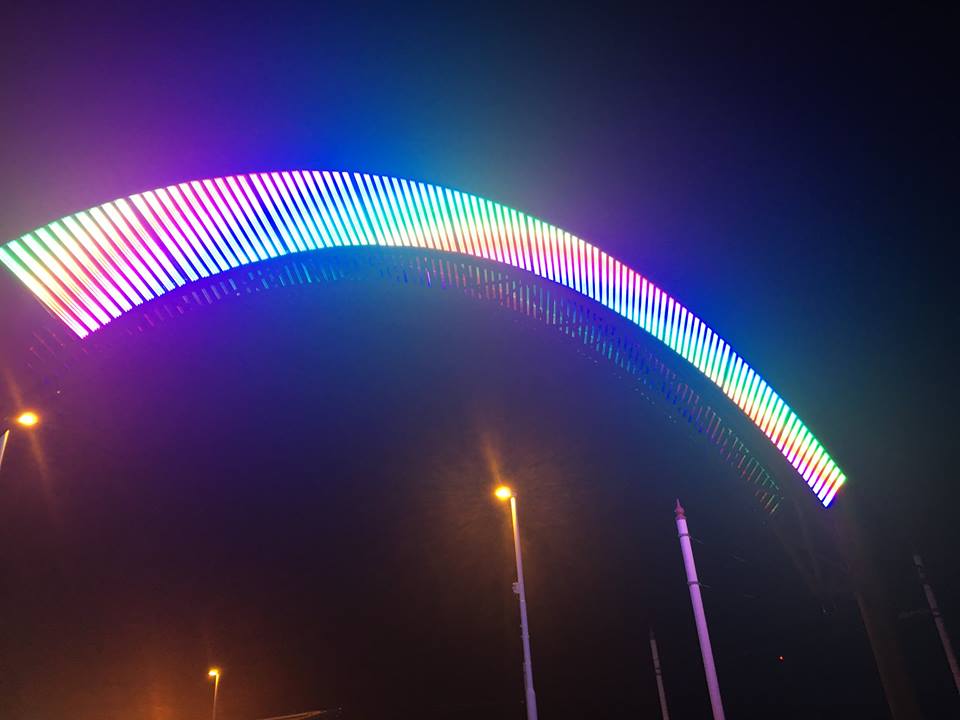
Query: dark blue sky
[{"x": 787, "y": 174}]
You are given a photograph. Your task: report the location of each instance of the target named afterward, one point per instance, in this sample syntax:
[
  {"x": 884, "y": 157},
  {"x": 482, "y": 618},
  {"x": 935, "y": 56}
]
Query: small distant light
[
  {"x": 28, "y": 419},
  {"x": 214, "y": 672},
  {"x": 780, "y": 658},
  {"x": 503, "y": 492}
]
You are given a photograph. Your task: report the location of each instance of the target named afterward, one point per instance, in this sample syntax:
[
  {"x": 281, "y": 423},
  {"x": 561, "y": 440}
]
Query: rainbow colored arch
[{"x": 91, "y": 267}]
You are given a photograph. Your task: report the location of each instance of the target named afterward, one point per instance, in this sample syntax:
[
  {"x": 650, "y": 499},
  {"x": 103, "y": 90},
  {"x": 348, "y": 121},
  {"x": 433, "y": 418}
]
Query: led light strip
[{"x": 94, "y": 266}]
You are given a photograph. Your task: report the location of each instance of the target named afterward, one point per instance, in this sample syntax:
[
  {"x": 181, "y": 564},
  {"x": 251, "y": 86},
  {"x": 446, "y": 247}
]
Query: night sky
[{"x": 297, "y": 487}]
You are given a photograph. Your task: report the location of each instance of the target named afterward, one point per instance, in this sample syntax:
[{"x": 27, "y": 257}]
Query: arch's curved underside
[{"x": 93, "y": 266}]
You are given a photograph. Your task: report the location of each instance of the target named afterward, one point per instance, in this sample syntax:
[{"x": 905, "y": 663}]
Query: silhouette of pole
[
  {"x": 3, "y": 444},
  {"x": 656, "y": 670},
  {"x": 938, "y": 621},
  {"x": 699, "y": 615},
  {"x": 216, "y": 691},
  {"x": 215, "y": 674},
  {"x": 521, "y": 592}
]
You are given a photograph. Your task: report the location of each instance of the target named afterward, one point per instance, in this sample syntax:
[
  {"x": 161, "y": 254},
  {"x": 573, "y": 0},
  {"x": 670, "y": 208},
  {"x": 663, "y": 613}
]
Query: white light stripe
[
  {"x": 340, "y": 184},
  {"x": 55, "y": 277},
  {"x": 41, "y": 292},
  {"x": 834, "y": 485},
  {"x": 112, "y": 263},
  {"x": 307, "y": 196},
  {"x": 40, "y": 272},
  {"x": 489, "y": 228},
  {"x": 413, "y": 229},
  {"x": 78, "y": 283},
  {"x": 122, "y": 217},
  {"x": 374, "y": 211},
  {"x": 254, "y": 209},
  {"x": 461, "y": 238},
  {"x": 256, "y": 219},
  {"x": 476, "y": 227},
  {"x": 753, "y": 397},
  {"x": 344, "y": 207},
  {"x": 393, "y": 216},
  {"x": 797, "y": 426},
  {"x": 275, "y": 189},
  {"x": 391, "y": 236},
  {"x": 187, "y": 228},
  {"x": 271, "y": 201},
  {"x": 423, "y": 201},
  {"x": 829, "y": 476},
  {"x": 416, "y": 210},
  {"x": 746, "y": 374},
  {"x": 291, "y": 195},
  {"x": 433, "y": 203},
  {"x": 356, "y": 208},
  {"x": 128, "y": 222},
  {"x": 100, "y": 221},
  {"x": 334, "y": 232},
  {"x": 178, "y": 247},
  {"x": 506, "y": 233},
  {"x": 779, "y": 418},
  {"x": 332, "y": 199},
  {"x": 225, "y": 220},
  {"x": 263, "y": 247},
  {"x": 216, "y": 226},
  {"x": 337, "y": 209},
  {"x": 165, "y": 209},
  {"x": 463, "y": 225},
  {"x": 98, "y": 279}
]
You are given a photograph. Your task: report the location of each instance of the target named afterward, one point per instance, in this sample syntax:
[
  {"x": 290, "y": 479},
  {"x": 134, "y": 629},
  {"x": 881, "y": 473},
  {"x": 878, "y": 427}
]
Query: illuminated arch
[{"x": 93, "y": 266}]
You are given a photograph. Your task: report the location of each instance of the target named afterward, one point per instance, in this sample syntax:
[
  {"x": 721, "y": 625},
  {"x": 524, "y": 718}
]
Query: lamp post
[
  {"x": 706, "y": 651},
  {"x": 3, "y": 445},
  {"x": 504, "y": 493},
  {"x": 28, "y": 419},
  {"x": 664, "y": 713},
  {"x": 938, "y": 621},
  {"x": 215, "y": 674}
]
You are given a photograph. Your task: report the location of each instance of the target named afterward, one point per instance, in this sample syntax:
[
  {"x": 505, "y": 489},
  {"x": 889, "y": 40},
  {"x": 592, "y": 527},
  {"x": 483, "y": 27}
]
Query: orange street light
[
  {"x": 28, "y": 419},
  {"x": 503, "y": 493}
]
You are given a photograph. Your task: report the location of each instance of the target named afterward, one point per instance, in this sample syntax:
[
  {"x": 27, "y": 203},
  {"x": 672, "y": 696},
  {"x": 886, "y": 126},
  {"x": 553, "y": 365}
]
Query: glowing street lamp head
[
  {"x": 214, "y": 672},
  {"x": 28, "y": 419},
  {"x": 503, "y": 493}
]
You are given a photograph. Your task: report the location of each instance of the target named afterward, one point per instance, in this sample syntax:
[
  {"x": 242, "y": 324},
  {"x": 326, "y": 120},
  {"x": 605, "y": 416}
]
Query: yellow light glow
[
  {"x": 28, "y": 418},
  {"x": 503, "y": 492},
  {"x": 214, "y": 672}
]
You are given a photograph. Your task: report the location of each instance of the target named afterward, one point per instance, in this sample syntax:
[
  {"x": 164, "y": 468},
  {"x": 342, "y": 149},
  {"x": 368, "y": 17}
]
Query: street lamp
[
  {"x": 28, "y": 419},
  {"x": 504, "y": 493},
  {"x": 215, "y": 674}
]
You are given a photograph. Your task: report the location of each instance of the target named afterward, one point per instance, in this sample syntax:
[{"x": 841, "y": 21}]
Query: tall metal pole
[
  {"x": 520, "y": 590},
  {"x": 216, "y": 689},
  {"x": 699, "y": 615},
  {"x": 938, "y": 621},
  {"x": 3, "y": 444},
  {"x": 656, "y": 669}
]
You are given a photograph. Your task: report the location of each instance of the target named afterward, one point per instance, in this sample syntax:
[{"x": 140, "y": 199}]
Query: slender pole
[
  {"x": 520, "y": 590},
  {"x": 656, "y": 669},
  {"x": 216, "y": 689},
  {"x": 3, "y": 444},
  {"x": 699, "y": 615},
  {"x": 938, "y": 621}
]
